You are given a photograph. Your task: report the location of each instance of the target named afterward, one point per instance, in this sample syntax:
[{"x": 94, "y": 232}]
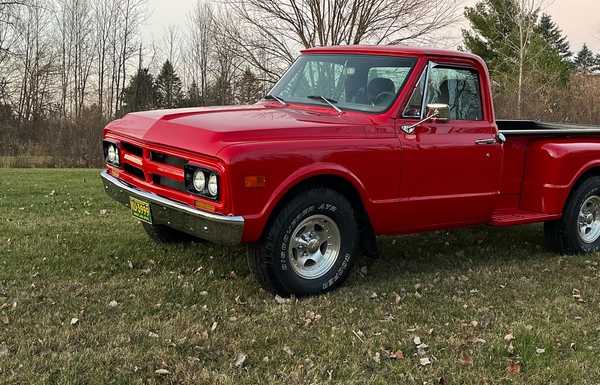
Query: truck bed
[{"x": 532, "y": 127}]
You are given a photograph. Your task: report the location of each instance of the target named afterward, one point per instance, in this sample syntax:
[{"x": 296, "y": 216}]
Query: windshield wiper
[
  {"x": 277, "y": 98},
  {"x": 331, "y": 102}
]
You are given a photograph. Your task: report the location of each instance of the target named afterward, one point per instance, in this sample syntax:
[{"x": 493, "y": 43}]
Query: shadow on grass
[
  {"x": 456, "y": 251},
  {"x": 401, "y": 257}
]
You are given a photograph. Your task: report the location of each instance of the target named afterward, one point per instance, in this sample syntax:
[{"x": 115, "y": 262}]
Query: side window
[
  {"x": 413, "y": 108},
  {"x": 459, "y": 89}
]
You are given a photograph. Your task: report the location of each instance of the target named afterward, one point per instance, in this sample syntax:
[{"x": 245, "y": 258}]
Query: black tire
[
  {"x": 164, "y": 234},
  {"x": 563, "y": 235},
  {"x": 269, "y": 259}
]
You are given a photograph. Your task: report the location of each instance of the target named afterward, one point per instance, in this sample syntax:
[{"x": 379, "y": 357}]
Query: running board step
[{"x": 510, "y": 217}]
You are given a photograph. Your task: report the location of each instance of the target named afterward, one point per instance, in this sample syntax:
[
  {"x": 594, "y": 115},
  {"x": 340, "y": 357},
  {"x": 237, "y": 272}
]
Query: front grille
[
  {"x": 138, "y": 173},
  {"x": 169, "y": 183},
  {"x": 168, "y": 159},
  {"x": 132, "y": 149}
]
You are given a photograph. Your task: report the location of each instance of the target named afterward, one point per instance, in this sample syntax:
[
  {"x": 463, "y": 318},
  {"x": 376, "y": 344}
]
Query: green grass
[{"x": 67, "y": 251}]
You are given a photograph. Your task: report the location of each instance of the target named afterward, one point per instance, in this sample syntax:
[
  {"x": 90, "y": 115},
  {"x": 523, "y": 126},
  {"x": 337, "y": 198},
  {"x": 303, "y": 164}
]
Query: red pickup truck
[{"x": 353, "y": 142}]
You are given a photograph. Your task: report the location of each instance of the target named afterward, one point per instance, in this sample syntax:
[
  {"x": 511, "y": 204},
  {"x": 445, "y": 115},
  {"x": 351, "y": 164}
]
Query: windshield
[{"x": 354, "y": 82}]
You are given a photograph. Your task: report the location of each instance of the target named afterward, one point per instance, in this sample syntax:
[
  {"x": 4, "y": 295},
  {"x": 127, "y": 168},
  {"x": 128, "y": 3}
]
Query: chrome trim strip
[
  {"x": 212, "y": 227},
  {"x": 554, "y": 131}
]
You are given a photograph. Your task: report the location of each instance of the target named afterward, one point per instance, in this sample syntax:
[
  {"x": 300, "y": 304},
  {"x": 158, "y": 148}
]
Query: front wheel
[
  {"x": 309, "y": 247},
  {"x": 578, "y": 231}
]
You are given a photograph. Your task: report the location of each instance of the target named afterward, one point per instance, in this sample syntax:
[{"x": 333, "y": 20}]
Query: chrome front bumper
[{"x": 211, "y": 227}]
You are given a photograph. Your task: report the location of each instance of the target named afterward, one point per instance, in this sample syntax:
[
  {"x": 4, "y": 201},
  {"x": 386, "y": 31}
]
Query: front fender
[{"x": 257, "y": 222}]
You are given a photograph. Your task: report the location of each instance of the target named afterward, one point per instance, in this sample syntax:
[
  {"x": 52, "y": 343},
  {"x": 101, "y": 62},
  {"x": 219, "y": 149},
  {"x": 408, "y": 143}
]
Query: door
[{"x": 450, "y": 169}]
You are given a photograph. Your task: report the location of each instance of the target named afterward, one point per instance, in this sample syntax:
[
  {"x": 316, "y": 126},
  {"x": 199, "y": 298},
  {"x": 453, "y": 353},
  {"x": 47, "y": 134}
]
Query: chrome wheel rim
[
  {"x": 588, "y": 221},
  {"x": 314, "y": 246}
]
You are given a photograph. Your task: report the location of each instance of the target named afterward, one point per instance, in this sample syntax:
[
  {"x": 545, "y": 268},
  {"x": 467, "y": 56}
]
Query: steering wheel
[{"x": 382, "y": 97}]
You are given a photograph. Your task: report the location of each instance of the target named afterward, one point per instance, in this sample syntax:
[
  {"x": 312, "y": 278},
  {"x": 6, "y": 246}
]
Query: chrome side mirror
[
  {"x": 439, "y": 112},
  {"x": 435, "y": 112}
]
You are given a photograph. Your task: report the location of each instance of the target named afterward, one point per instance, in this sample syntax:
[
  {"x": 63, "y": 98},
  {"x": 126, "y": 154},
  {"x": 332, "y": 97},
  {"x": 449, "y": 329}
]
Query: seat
[{"x": 378, "y": 86}]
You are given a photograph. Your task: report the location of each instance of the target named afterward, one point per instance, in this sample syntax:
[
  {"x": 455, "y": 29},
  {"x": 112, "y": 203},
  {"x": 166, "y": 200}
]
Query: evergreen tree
[
  {"x": 585, "y": 61},
  {"x": 554, "y": 36},
  {"x": 521, "y": 68},
  {"x": 140, "y": 94},
  {"x": 220, "y": 92},
  {"x": 194, "y": 99},
  {"x": 493, "y": 28},
  {"x": 249, "y": 88},
  {"x": 168, "y": 87}
]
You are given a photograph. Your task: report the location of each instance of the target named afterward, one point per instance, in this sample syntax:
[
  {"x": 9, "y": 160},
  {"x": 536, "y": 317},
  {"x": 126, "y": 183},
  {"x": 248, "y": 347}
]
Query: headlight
[
  {"x": 199, "y": 181},
  {"x": 111, "y": 153},
  {"x": 213, "y": 185}
]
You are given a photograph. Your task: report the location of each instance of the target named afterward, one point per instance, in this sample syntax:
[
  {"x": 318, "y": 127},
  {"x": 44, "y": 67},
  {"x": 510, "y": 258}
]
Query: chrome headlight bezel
[{"x": 190, "y": 171}]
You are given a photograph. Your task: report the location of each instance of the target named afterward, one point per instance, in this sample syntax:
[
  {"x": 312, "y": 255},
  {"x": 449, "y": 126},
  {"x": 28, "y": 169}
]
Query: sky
[{"x": 579, "y": 19}]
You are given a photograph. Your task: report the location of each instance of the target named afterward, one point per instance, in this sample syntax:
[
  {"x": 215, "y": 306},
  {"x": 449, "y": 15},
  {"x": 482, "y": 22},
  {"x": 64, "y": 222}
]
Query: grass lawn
[{"x": 86, "y": 298}]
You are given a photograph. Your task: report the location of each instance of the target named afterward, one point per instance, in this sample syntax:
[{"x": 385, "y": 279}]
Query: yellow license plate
[{"x": 140, "y": 210}]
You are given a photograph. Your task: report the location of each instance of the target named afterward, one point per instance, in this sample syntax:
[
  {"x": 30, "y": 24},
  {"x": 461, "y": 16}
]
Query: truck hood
[{"x": 208, "y": 130}]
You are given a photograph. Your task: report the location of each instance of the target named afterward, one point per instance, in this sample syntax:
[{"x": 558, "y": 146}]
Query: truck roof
[{"x": 392, "y": 50}]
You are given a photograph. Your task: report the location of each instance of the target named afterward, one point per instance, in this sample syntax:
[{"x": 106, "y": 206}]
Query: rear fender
[{"x": 551, "y": 171}]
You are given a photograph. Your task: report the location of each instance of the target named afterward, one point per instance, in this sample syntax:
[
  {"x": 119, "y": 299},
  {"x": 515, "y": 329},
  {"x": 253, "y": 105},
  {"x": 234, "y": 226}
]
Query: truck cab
[{"x": 351, "y": 143}]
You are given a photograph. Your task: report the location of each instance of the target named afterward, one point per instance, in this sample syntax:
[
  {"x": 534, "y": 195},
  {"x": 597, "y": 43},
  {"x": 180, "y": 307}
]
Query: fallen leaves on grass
[
  {"x": 311, "y": 317},
  {"x": 466, "y": 360},
  {"x": 288, "y": 350},
  {"x": 393, "y": 355},
  {"x": 377, "y": 357},
  {"x": 240, "y": 359},
  {"x": 513, "y": 367}
]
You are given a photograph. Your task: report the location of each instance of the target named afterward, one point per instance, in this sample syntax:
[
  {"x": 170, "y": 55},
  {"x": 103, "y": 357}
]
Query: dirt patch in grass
[{"x": 85, "y": 297}]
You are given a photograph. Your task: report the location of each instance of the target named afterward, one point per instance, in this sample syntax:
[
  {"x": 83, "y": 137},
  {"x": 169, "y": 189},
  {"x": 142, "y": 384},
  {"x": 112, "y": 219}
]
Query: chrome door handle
[{"x": 486, "y": 141}]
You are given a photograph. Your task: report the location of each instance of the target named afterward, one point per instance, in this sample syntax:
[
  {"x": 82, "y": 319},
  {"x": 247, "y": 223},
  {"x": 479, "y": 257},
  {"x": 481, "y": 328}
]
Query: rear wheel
[
  {"x": 578, "y": 231},
  {"x": 309, "y": 247},
  {"x": 164, "y": 234}
]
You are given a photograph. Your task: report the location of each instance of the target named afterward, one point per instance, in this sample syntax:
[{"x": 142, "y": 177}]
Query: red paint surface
[{"x": 435, "y": 178}]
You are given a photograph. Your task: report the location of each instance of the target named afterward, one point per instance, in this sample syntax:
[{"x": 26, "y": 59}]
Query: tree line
[
  {"x": 69, "y": 66},
  {"x": 534, "y": 72}
]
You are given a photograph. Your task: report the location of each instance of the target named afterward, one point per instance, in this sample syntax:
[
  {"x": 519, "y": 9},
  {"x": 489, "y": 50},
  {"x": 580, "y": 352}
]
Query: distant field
[{"x": 86, "y": 298}]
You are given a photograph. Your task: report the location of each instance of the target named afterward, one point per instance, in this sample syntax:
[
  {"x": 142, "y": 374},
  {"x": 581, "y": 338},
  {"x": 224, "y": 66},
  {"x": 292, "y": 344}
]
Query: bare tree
[
  {"x": 197, "y": 54},
  {"x": 280, "y": 27},
  {"x": 35, "y": 60},
  {"x": 170, "y": 42},
  {"x": 526, "y": 23},
  {"x": 105, "y": 18}
]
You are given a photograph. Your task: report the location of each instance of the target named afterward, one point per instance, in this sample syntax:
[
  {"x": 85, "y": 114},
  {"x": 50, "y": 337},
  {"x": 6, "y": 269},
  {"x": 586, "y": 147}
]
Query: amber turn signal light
[
  {"x": 204, "y": 206},
  {"x": 254, "y": 181}
]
